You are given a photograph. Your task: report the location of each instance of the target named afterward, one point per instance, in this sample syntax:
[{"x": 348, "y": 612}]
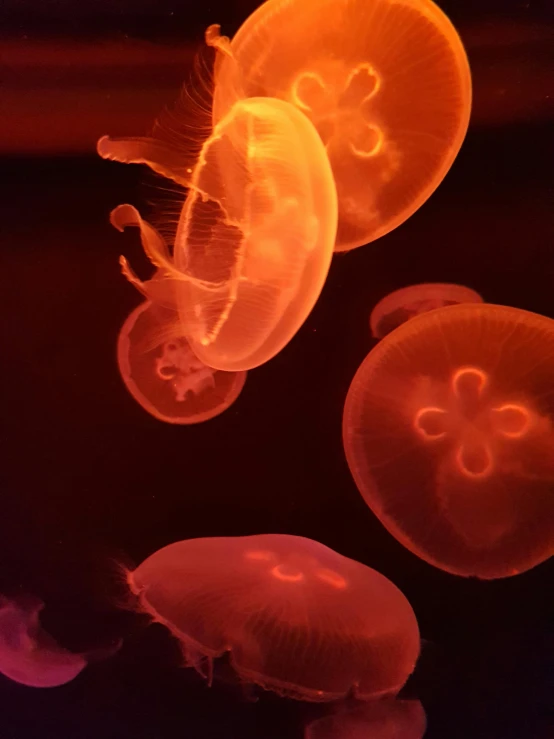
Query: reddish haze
[
  {"x": 448, "y": 432},
  {"x": 384, "y": 719},
  {"x": 295, "y": 616}
]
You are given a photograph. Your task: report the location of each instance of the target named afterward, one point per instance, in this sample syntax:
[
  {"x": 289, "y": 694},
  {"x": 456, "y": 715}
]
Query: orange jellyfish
[
  {"x": 386, "y": 83},
  {"x": 255, "y": 236},
  {"x": 384, "y": 719},
  {"x": 448, "y": 432},
  {"x": 167, "y": 379},
  {"x": 401, "y": 305},
  {"x": 29, "y": 655},
  {"x": 295, "y": 617}
]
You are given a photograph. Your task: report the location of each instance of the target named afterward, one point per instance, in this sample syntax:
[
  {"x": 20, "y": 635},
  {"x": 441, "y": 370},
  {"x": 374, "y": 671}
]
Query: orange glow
[
  {"x": 164, "y": 376},
  {"x": 29, "y": 655},
  {"x": 256, "y": 232},
  {"x": 266, "y": 610},
  {"x": 448, "y": 432},
  {"x": 387, "y": 85},
  {"x": 384, "y": 719},
  {"x": 401, "y": 305}
]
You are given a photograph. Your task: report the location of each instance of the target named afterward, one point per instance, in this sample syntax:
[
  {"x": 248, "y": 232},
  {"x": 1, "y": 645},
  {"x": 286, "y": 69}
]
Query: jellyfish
[
  {"x": 167, "y": 379},
  {"x": 448, "y": 433},
  {"x": 28, "y": 655},
  {"x": 386, "y": 83},
  {"x": 401, "y": 305},
  {"x": 293, "y": 616},
  {"x": 255, "y": 236},
  {"x": 384, "y": 719}
]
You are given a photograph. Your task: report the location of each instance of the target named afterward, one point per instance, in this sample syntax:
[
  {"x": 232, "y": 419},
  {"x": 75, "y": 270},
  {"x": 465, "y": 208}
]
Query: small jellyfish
[
  {"x": 255, "y": 236},
  {"x": 386, "y": 83},
  {"x": 294, "y": 616},
  {"x": 28, "y": 655},
  {"x": 401, "y": 305},
  {"x": 384, "y": 719},
  {"x": 448, "y": 432},
  {"x": 167, "y": 379}
]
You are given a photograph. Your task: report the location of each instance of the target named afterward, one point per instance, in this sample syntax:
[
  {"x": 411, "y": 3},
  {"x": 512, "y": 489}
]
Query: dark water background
[{"x": 87, "y": 477}]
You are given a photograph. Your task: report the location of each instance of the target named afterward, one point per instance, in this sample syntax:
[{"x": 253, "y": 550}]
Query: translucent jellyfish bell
[
  {"x": 29, "y": 655},
  {"x": 401, "y": 305},
  {"x": 164, "y": 375},
  {"x": 294, "y": 616},
  {"x": 255, "y": 236},
  {"x": 448, "y": 432},
  {"x": 386, "y": 83},
  {"x": 384, "y": 719}
]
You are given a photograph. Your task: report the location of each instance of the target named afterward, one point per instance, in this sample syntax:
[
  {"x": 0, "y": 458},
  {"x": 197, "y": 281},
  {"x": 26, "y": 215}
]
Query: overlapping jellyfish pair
[
  {"x": 332, "y": 123},
  {"x": 292, "y": 615},
  {"x": 449, "y": 434}
]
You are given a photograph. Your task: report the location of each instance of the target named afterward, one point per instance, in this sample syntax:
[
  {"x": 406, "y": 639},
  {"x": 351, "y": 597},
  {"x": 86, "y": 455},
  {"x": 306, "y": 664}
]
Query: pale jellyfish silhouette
[
  {"x": 383, "y": 719},
  {"x": 399, "y": 306},
  {"x": 294, "y": 616},
  {"x": 255, "y": 236},
  {"x": 448, "y": 432},
  {"x": 165, "y": 377},
  {"x": 29, "y": 655},
  {"x": 386, "y": 83}
]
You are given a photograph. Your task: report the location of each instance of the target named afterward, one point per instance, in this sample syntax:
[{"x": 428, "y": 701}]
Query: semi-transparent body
[
  {"x": 28, "y": 655},
  {"x": 294, "y": 616},
  {"x": 399, "y": 306},
  {"x": 167, "y": 379},
  {"x": 384, "y": 719},
  {"x": 255, "y": 236},
  {"x": 386, "y": 83},
  {"x": 448, "y": 432}
]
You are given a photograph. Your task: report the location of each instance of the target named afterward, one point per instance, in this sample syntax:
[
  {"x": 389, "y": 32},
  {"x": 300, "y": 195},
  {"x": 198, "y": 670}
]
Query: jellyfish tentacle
[{"x": 163, "y": 159}]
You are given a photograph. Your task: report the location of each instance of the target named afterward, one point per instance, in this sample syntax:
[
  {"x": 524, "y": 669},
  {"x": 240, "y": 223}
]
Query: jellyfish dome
[
  {"x": 386, "y": 83},
  {"x": 401, "y": 305},
  {"x": 384, "y": 719},
  {"x": 28, "y": 655},
  {"x": 448, "y": 432},
  {"x": 295, "y": 617},
  {"x": 164, "y": 375},
  {"x": 255, "y": 236}
]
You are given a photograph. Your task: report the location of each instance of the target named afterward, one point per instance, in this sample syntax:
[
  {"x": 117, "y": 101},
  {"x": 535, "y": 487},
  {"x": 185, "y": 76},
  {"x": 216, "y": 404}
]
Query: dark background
[{"x": 88, "y": 479}]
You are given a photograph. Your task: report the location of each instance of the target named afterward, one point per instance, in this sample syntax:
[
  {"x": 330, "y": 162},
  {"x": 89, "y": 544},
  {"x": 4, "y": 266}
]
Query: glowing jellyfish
[
  {"x": 386, "y": 83},
  {"x": 29, "y": 655},
  {"x": 401, "y": 305},
  {"x": 384, "y": 719},
  {"x": 167, "y": 379},
  {"x": 448, "y": 432},
  {"x": 255, "y": 236},
  {"x": 294, "y": 616}
]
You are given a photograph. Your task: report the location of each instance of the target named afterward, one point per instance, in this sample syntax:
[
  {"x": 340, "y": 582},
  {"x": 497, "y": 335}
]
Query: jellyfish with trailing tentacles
[
  {"x": 448, "y": 432},
  {"x": 401, "y": 305},
  {"x": 294, "y": 616},
  {"x": 255, "y": 235},
  {"x": 167, "y": 379},
  {"x": 29, "y": 655},
  {"x": 386, "y": 83},
  {"x": 384, "y": 719}
]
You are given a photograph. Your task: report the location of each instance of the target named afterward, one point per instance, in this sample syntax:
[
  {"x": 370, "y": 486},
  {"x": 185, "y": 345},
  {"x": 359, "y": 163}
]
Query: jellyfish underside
[
  {"x": 387, "y": 86},
  {"x": 461, "y": 398},
  {"x": 384, "y": 719},
  {"x": 294, "y": 617},
  {"x": 255, "y": 236},
  {"x": 401, "y": 305},
  {"x": 28, "y": 655}
]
